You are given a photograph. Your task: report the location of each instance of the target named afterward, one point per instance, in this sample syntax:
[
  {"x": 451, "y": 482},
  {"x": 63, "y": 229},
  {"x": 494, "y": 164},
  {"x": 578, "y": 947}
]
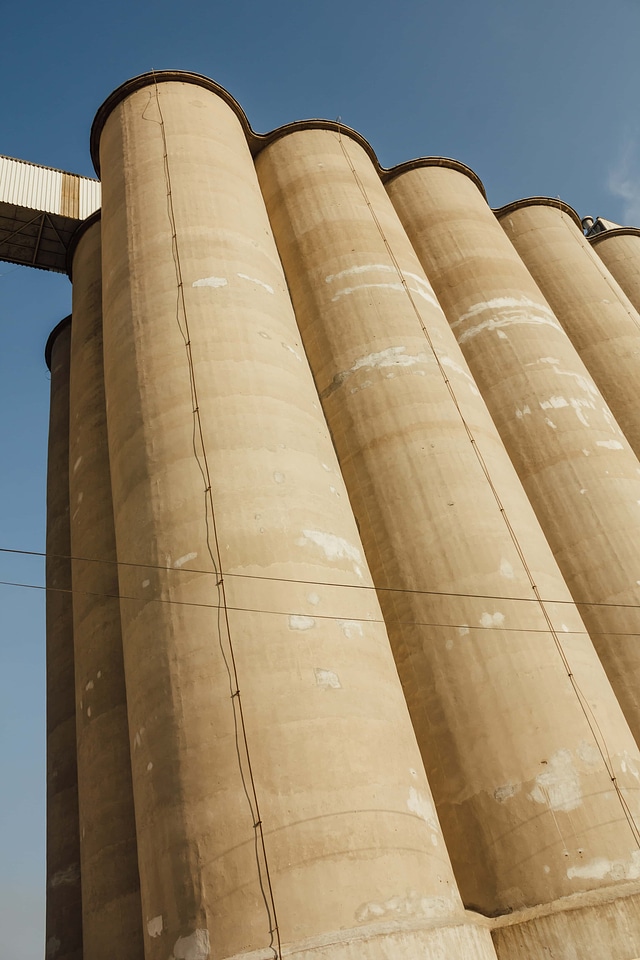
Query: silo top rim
[
  {"x": 51, "y": 339},
  {"x": 256, "y": 141},
  {"x": 457, "y": 165},
  {"x": 77, "y": 236},
  {"x": 501, "y": 212},
  {"x": 618, "y": 232}
]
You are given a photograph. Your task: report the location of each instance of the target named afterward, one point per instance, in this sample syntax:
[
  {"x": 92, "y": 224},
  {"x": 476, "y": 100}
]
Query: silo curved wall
[
  {"x": 619, "y": 250},
  {"x": 404, "y": 425}
]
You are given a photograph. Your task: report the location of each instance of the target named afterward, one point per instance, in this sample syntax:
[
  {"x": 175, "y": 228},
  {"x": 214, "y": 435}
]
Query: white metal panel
[
  {"x": 29, "y": 185},
  {"x": 90, "y": 196}
]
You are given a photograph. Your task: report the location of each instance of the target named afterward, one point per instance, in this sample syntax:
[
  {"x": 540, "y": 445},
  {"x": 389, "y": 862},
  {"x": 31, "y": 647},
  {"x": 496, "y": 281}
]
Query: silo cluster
[{"x": 344, "y": 536}]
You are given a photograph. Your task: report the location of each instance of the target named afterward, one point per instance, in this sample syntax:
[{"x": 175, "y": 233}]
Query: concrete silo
[
  {"x": 595, "y": 312},
  {"x": 64, "y": 897},
  {"x": 278, "y": 787},
  {"x": 488, "y": 679},
  {"x": 112, "y": 922},
  {"x": 619, "y": 250}
]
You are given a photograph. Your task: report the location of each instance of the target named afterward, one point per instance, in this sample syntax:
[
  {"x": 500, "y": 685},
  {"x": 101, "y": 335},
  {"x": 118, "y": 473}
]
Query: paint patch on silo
[
  {"x": 194, "y": 947},
  {"x": 313, "y": 598},
  {"x": 492, "y": 619},
  {"x": 260, "y": 283},
  {"x": 587, "y": 453},
  {"x": 351, "y": 628},
  {"x": 145, "y": 583},
  {"x": 89, "y": 685},
  {"x": 334, "y": 548},
  {"x": 291, "y": 350},
  {"x": 410, "y": 905},
  {"x": 88, "y": 711},
  {"x": 599, "y": 868},
  {"x": 423, "y": 807},
  {"x": 301, "y": 623},
  {"x": 327, "y": 679},
  {"x": 511, "y": 310},
  {"x": 66, "y": 877},
  {"x": 559, "y": 784},
  {"x": 547, "y": 868},
  {"x": 610, "y": 444},
  {"x": 506, "y": 791},
  {"x": 463, "y": 630},
  {"x": 278, "y": 477},
  {"x": 525, "y": 412},
  {"x": 506, "y": 569},
  {"x": 554, "y": 402},
  {"x": 154, "y": 927},
  {"x": 550, "y": 423},
  {"x": 448, "y": 643},
  {"x": 180, "y": 562},
  {"x": 210, "y": 282},
  {"x": 53, "y": 945},
  {"x": 150, "y": 766},
  {"x": 77, "y": 464},
  {"x": 588, "y": 753},
  {"x": 80, "y": 497},
  {"x": 551, "y": 360}
]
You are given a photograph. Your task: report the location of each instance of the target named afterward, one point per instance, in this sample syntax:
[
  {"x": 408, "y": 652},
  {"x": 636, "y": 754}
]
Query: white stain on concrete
[
  {"x": 210, "y": 282},
  {"x": 149, "y": 766},
  {"x": 506, "y": 569},
  {"x": 89, "y": 685},
  {"x": 278, "y": 477},
  {"x": 525, "y": 412},
  {"x": 425, "y": 287},
  {"x": 508, "y": 311},
  {"x": 391, "y": 357},
  {"x": 334, "y": 548},
  {"x": 586, "y": 452},
  {"x": 193, "y": 947},
  {"x": 403, "y": 907},
  {"x": 551, "y": 360},
  {"x": 154, "y": 927},
  {"x": 589, "y": 753},
  {"x": 610, "y": 444},
  {"x": 550, "y": 423},
  {"x": 291, "y": 350},
  {"x": 327, "y": 679},
  {"x": 495, "y": 619},
  {"x": 600, "y": 868},
  {"x": 554, "y": 402},
  {"x": 558, "y": 785},
  {"x": 422, "y": 805},
  {"x": 463, "y": 630},
  {"x": 145, "y": 583},
  {"x": 398, "y": 287},
  {"x": 313, "y": 598},
  {"x": 180, "y": 562},
  {"x": 77, "y": 464},
  {"x": 260, "y": 283},
  {"x": 351, "y": 628},
  {"x": 301, "y": 623},
  {"x": 506, "y": 791},
  {"x": 66, "y": 877}
]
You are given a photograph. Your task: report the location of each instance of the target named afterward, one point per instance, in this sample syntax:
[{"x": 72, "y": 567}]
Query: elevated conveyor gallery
[{"x": 39, "y": 210}]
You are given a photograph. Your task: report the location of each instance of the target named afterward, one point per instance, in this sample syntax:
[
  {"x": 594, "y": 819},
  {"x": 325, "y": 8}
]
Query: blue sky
[{"x": 538, "y": 98}]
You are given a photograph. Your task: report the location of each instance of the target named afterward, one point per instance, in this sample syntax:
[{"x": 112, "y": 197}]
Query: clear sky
[{"x": 539, "y": 98}]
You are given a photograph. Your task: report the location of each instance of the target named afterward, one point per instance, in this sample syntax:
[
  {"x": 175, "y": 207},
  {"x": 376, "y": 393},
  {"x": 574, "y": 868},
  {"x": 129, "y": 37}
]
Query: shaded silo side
[
  {"x": 497, "y": 718},
  {"x": 598, "y": 317},
  {"x": 619, "y": 250},
  {"x": 112, "y": 921},
  {"x": 64, "y": 898},
  {"x": 279, "y": 792},
  {"x": 576, "y": 466}
]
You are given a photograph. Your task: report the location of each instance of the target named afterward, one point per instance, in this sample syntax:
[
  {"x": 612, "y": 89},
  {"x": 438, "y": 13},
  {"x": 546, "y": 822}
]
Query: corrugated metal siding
[
  {"x": 90, "y": 197},
  {"x": 28, "y": 185},
  {"x": 40, "y": 188}
]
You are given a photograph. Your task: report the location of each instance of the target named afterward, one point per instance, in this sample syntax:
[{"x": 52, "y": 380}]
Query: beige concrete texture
[
  {"x": 594, "y": 311},
  {"x": 619, "y": 250},
  {"x": 112, "y": 919},
  {"x": 522, "y": 790},
  {"x": 575, "y": 464},
  {"x": 263, "y": 699},
  {"x": 64, "y": 906}
]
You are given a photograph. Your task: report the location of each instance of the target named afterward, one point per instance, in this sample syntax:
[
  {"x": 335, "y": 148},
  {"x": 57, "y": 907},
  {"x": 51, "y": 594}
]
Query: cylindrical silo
[
  {"x": 64, "y": 898},
  {"x": 598, "y": 317},
  {"x": 576, "y": 466},
  {"x": 112, "y": 921},
  {"x": 619, "y": 250},
  {"x": 521, "y": 786},
  {"x": 279, "y": 793}
]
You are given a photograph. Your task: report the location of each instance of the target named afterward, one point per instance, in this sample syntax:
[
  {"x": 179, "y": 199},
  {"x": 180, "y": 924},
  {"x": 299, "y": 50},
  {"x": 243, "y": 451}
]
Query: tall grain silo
[
  {"x": 111, "y": 914},
  {"x": 460, "y": 564},
  {"x": 279, "y": 792},
  {"x": 599, "y": 318},
  {"x": 64, "y": 897},
  {"x": 619, "y": 250},
  {"x": 577, "y": 468}
]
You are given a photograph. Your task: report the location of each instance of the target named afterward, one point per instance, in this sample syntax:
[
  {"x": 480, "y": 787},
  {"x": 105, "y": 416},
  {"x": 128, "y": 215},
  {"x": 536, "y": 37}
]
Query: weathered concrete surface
[
  {"x": 619, "y": 250},
  {"x": 592, "y": 307},
  {"x": 576, "y": 466},
  {"x": 64, "y": 906},
  {"x": 112, "y": 920},
  {"x": 351, "y": 835},
  {"x": 521, "y": 789}
]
